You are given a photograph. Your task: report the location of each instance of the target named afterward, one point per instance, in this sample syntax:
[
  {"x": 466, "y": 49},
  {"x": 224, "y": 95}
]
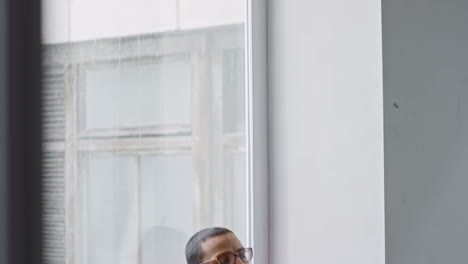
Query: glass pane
[
  {"x": 166, "y": 207},
  {"x": 138, "y": 95},
  {"x": 235, "y": 172},
  {"x": 144, "y": 127},
  {"x": 109, "y": 202},
  {"x": 233, "y": 91}
]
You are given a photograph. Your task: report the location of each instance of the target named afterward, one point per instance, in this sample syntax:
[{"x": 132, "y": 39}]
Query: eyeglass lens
[{"x": 245, "y": 256}]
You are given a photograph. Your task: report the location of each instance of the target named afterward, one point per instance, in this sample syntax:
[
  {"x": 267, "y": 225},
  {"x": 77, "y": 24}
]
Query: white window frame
[{"x": 257, "y": 128}]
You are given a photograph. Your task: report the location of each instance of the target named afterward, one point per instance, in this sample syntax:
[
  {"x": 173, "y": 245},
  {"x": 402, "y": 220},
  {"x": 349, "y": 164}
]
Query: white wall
[
  {"x": 326, "y": 132},
  {"x": 426, "y": 130},
  {"x": 76, "y": 20}
]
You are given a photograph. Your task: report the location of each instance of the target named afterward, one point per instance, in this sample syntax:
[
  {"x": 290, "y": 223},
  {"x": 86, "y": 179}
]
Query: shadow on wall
[{"x": 163, "y": 245}]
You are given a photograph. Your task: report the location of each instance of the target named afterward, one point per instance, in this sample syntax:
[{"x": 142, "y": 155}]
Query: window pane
[
  {"x": 109, "y": 204},
  {"x": 233, "y": 91},
  {"x": 166, "y": 189},
  {"x": 138, "y": 95},
  {"x": 235, "y": 172},
  {"x": 144, "y": 127}
]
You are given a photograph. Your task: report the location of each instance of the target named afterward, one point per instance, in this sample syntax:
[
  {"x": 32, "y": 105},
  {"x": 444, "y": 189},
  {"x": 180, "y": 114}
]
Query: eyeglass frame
[{"x": 236, "y": 255}]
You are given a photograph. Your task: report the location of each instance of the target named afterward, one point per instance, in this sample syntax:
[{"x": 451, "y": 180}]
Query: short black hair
[{"x": 193, "y": 250}]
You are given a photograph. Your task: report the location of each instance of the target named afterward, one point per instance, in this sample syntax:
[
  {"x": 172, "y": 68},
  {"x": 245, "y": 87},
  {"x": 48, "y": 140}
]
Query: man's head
[{"x": 212, "y": 243}]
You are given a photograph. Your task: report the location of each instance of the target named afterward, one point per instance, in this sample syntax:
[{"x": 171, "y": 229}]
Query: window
[{"x": 144, "y": 132}]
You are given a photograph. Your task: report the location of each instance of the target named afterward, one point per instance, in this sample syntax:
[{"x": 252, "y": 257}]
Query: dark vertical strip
[
  {"x": 21, "y": 88},
  {"x": 3, "y": 135}
]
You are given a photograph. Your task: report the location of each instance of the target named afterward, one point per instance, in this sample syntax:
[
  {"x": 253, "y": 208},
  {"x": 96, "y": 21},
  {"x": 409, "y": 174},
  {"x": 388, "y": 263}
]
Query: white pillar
[{"x": 326, "y": 132}]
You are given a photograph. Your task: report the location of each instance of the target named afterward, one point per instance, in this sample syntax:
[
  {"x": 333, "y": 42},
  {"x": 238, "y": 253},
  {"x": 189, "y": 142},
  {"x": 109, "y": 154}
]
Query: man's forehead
[{"x": 226, "y": 242}]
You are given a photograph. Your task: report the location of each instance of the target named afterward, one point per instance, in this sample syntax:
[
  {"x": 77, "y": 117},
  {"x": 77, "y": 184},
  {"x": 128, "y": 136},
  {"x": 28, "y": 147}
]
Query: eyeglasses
[{"x": 245, "y": 255}]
